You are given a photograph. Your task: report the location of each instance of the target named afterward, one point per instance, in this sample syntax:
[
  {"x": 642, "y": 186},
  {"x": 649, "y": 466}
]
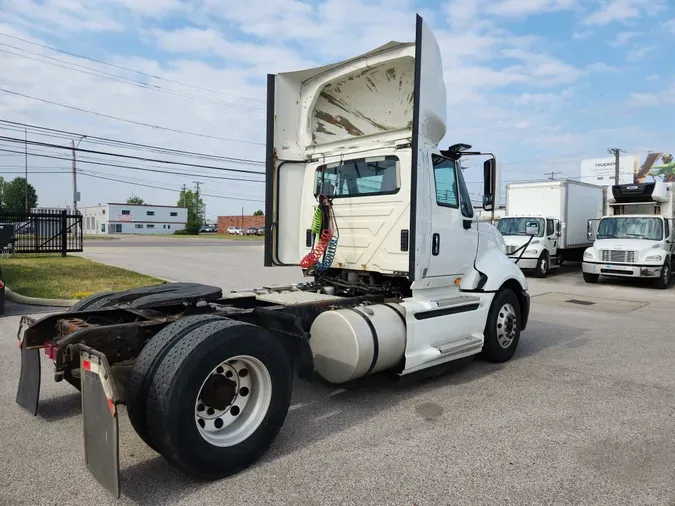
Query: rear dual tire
[{"x": 216, "y": 398}]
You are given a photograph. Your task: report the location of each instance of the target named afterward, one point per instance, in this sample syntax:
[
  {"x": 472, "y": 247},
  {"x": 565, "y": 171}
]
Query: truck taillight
[{"x": 50, "y": 351}]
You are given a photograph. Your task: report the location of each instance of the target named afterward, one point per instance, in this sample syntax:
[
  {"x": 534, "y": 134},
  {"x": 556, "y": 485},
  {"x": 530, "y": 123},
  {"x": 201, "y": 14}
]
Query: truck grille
[
  {"x": 626, "y": 257},
  {"x": 511, "y": 249}
]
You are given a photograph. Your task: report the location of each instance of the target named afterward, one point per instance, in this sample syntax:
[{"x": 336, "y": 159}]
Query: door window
[
  {"x": 445, "y": 177},
  {"x": 550, "y": 227},
  {"x": 465, "y": 198}
]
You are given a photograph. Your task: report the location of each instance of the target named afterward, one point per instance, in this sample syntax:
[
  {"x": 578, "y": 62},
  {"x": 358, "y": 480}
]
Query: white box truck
[
  {"x": 634, "y": 238},
  {"x": 546, "y": 222}
]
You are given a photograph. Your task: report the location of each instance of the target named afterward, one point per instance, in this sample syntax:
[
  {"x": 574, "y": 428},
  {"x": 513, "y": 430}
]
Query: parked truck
[
  {"x": 634, "y": 239},
  {"x": 399, "y": 276},
  {"x": 545, "y": 222}
]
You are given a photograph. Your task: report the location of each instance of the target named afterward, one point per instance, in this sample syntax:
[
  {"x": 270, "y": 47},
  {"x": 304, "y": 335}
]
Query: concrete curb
[{"x": 34, "y": 301}]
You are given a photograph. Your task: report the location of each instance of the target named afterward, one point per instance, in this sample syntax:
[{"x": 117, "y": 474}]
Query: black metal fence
[{"x": 49, "y": 231}]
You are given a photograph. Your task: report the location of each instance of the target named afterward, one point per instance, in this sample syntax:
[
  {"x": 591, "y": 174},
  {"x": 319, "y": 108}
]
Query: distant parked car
[
  {"x": 261, "y": 231},
  {"x": 251, "y": 231},
  {"x": 231, "y": 230}
]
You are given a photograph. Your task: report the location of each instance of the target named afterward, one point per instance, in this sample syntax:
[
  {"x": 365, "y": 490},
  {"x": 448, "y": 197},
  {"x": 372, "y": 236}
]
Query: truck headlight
[
  {"x": 531, "y": 252},
  {"x": 588, "y": 254},
  {"x": 653, "y": 258}
]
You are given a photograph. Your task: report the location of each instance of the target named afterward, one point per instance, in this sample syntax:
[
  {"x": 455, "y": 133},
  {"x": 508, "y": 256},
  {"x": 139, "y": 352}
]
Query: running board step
[{"x": 462, "y": 346}]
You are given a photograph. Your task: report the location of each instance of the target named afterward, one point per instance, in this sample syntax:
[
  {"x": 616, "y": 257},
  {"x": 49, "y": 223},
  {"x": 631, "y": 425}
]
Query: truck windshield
[
  {"x": 517, "y": 226},
  {"x": 631, "y": 228}
]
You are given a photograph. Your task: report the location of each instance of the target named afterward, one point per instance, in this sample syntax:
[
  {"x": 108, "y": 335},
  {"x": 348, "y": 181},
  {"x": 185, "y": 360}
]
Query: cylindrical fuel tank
[{"x": 354, "y": 342}]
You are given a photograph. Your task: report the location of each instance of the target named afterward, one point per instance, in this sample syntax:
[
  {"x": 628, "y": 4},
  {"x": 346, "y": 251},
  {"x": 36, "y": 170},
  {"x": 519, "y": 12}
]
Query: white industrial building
[{"x": 133, "y": 219}]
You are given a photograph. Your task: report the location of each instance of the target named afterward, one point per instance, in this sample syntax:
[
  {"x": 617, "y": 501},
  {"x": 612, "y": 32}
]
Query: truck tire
[
  {"x": 543, "y": 266},
  {"x": 591, "y": 278},
  {"x": 146, "y": 364},
  {"x": 219, "y": 398},
  {"x": 502, "y": 329},
  {"x": 95, "y": 301},
  {"x": 663, "y": 281}
]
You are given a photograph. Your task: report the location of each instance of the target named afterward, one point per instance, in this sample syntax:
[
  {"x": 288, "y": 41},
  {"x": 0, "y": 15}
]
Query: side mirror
[
  {"x": 490, "y": 184},
  {"x": 532, "y": 228},
  {"x": 557, "y": 227}
]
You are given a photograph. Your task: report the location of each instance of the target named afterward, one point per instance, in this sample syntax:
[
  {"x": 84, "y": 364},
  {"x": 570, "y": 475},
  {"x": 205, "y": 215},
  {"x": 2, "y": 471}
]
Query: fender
[{"x": 492, "y": 270}]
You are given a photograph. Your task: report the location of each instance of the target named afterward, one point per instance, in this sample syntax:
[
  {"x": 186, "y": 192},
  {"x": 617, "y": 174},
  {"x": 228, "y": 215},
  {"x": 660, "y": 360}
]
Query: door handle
[
  {"x": 435, "y": 244},
  {"x": 467, "y": 224}
]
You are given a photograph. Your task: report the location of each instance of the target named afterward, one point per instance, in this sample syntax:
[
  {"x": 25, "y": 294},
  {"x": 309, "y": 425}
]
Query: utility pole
[
  {"x": 242, "y": 218},
  {"x": 615, "y": 152},
  {"x": 26, "y": 156},
  {"x": 551, "y": 175},
  {"x": 74, "y": 180},
  {"x": 199, "y": 207}
]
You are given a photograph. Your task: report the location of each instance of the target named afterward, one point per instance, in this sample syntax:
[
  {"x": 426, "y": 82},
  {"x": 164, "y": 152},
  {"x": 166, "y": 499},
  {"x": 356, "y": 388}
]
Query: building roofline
[{"x": 140, "y": 205}]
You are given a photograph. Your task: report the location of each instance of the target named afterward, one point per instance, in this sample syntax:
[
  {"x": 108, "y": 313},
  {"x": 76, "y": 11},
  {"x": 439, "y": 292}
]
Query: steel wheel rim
[
  {"x": 233, "y": 401},
  {"x": 544, "y": 266},
  {"x": 506, "y": 325}
]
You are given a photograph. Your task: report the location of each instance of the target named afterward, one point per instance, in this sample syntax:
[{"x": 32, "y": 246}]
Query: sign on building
[{"x": 601, "y": 171}]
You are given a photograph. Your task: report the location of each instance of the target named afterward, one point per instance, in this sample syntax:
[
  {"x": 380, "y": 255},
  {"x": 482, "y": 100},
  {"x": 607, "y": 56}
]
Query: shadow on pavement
[
  {"x": 60, "y": 408},
  {"x": 319, "y": 411}
]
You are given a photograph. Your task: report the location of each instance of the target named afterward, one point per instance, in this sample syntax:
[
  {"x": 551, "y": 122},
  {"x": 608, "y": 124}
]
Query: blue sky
[{"x": 543, "y": 83}]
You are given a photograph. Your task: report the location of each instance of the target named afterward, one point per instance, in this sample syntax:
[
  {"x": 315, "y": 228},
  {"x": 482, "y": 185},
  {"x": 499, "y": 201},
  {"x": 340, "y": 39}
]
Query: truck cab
[
  {"x": 532, "y": 242},
  {"x": 634, "y": 239}
]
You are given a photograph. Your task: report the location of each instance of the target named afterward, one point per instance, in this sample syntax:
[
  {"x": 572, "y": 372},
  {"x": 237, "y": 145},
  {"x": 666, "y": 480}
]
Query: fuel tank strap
[
  {"x": 373, "y": 332},
  {"x": 397, "y": 312}
]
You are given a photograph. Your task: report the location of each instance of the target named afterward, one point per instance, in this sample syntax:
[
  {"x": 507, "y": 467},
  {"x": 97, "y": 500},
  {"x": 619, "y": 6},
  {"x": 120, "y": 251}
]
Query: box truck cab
[
  {"x": 545, "y": 222},
  {"x": 634, "y": 238}
]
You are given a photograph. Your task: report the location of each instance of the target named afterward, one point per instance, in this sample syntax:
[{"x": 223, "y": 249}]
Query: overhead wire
[
  {"x": 126, "y": 120},
  {"x": 127, "y": 69}
]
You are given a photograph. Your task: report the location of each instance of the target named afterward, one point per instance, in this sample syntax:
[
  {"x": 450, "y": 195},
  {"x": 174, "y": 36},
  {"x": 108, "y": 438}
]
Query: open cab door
[{"x": 351, "y": 130}]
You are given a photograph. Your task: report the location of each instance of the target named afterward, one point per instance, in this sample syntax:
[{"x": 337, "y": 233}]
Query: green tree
[
  {"x": 189, "y": 200},
  {"x": 14, "y": 195},
  {"x": 258, "y": 213},
  {"x": 135, "y": 200}
]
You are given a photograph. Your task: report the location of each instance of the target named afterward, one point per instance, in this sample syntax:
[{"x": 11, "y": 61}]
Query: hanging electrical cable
[{"x": 325, "y": 240}]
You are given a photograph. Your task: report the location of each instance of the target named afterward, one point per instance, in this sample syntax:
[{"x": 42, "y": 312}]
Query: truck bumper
[
  {"x": 621, "y": 270},
  {"x": 525, "y": 309},
  {"x": 525, "y": 263}
]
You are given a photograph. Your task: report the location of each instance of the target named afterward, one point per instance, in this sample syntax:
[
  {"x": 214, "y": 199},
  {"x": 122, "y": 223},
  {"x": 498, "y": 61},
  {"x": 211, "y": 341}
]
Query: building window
[
  {"x": 173, "y": 213},
  {"x": 150, "y": 225},
  {"x": 150, "y": 213},
  {"x": 139, "y": 225},
  {"x": 103, "y": 211},
  {"x": 164, "y": 226},
  {"x": 118, "y": 228},
  {"x": 126, "y": 212},
  {"x": 103, "y": 228},
  {"x": 169, "y": 226}
]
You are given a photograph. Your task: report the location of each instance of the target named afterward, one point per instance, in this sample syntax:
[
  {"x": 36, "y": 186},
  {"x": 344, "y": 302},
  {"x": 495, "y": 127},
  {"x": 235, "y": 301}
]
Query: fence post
[{"x": 64, "y": 233}]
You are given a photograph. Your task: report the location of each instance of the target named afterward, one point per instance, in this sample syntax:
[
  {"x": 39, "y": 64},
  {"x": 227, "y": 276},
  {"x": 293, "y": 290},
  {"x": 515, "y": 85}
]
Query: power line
[
  {"x": 129, "y": 157},
  {"x": 120, "y": 79},
  {"x": 145, "y": 169},
  {"x": 227, "y": 197},
  {"x": 129, "y": 69},
  {"x": 134, "y": 122},
  {"x": 115, "y": 142},
  {"x": 552, "y": 174}
]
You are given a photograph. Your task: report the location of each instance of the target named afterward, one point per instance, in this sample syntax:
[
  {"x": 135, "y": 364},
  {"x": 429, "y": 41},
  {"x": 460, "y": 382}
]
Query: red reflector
[
  {"x": 86, "y": 364},
  {"x": 112, "y": 407}
]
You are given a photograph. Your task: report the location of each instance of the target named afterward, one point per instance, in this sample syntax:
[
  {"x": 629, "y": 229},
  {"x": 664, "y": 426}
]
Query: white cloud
[
  {"x": 151, "y": 8},
  {"x": 663, "y": 97},
  {"x": 639, "y": 53},
  {"x": 545, "y": 101},
  {"x": 670, "y": 25},
  {"x": 583, "y": 35},
  {"x": 623, "y": 38},
  {"x": 624, "y": 11},
  {"x": 518, "y": 8},
  {"x": 70, "y": 15},
  {"x": 652, "y": 77}
]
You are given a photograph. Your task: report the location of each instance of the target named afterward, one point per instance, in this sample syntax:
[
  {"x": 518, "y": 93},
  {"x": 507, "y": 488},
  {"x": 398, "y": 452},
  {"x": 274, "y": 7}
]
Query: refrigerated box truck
[{"x": 546, "y": 222}]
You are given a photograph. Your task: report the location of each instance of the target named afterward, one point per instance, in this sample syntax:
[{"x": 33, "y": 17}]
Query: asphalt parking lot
[{"x": 583, "y": 414}]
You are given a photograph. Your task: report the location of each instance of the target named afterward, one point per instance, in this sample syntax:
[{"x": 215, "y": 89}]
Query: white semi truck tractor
[
  {"x": 400, "y": 277},
  {"x": 634, "y": 239},
  {"x": 545, "y": 222}
]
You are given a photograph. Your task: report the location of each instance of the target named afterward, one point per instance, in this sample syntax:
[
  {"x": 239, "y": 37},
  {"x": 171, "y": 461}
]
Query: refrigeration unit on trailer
[
  {"x": 545, "y": 222},
  {"x": 400, "y": 277},
  {"x": 634, "y": 239}
]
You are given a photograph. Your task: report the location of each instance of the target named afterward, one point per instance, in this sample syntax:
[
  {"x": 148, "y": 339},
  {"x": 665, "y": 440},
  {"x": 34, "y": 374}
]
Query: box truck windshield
[
  {"x": 631, "y": 228},
  {"x": 518, "y": 226}
]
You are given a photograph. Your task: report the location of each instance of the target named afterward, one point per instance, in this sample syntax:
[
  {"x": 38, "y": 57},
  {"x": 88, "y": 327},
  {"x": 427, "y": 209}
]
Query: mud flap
[
  {"x": 99, "y": 413},
  {"x": 28, "y": 392}
]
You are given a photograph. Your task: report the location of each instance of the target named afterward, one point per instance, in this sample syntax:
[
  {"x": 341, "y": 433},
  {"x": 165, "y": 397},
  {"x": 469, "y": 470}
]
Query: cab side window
[
  {"x": 445, "y": 177},
  {"x": 667, "y": 230},
  {"x": 550, "y": 227}
]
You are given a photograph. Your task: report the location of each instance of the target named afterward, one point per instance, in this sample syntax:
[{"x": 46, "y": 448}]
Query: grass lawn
[
  {"x": 100, "y": 238},
  {"x": 56, "y": 277}
]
